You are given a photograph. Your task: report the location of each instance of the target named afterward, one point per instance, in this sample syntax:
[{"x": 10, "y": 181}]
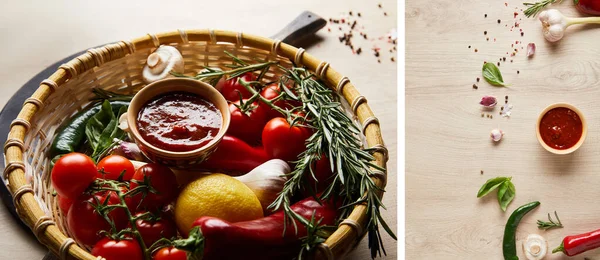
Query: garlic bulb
[
  {"x": 554, "y": 23},
  {"x": 161, "y": 62},
  {"x": 266, "y": 181},
  {"x": 535, "y": 247}
]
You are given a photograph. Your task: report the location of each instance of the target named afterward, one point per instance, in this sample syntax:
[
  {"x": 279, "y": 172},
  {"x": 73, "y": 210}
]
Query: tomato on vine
[
  {"x": 85, "y": 219},
  {"x": 282, "y": 141},
  {"x": 159, "y": 186},
  {"x": 113, "y": 166},
  {"x": 123, "y": 249},
  {"x": 153, "y": 228},
  {"x": 232, "y": 89},
  {"x": 170, "y": 253},
  {"x": 247, "y": 126},
  {"x": 272, "y": 91},
  {"x": 72, "y": 174}
]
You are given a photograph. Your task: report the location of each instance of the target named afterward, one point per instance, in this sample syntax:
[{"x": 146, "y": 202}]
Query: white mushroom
[
  {"x": 161, "y": 63},
  {"x": 535, "y": 247}
]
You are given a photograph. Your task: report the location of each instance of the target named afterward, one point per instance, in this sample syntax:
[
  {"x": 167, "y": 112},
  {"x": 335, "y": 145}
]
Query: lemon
[{"x": 216, "y": 195}]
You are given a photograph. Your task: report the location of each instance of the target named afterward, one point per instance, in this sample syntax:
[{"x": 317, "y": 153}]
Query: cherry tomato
[
  {"x": 64, "y": 204},
  {"x": 247, "y": 127},
  {"x": 282, "y": 141},
  {"x": 84, "y": 221},
  {"x": 232, "y": 88},
  {"x": 170, "y": 253},
  {"x": 161, "y": 179},
  {"x": 111, "y": 167},
  {"x": 125, "y": 249},
  {"x": 154, "y": 229},
  {"x": 72, "y": 174},
  {"x": 272, "y": 91}
]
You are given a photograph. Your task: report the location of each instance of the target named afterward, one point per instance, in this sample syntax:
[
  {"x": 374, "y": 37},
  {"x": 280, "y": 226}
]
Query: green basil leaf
[
  {"x": 103, "y": 128},
  {"x": 96, "y": 125},
  {"x": 506, "y": 194},
  {"x": 491, "y": 185},
  {"x": 492, "y": 74}
]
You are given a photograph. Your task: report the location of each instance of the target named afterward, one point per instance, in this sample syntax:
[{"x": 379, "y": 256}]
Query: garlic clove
[
  {"x": 535, "y": 247},
  {"x": 488, "y": 101},
  {"x": 123, "y": 125},
  {"x": 496, "y": 135},
  {"x": 219, "y": 84},
  {"x": 530, "y": 49},
  {"x": 161, "y": 63}
]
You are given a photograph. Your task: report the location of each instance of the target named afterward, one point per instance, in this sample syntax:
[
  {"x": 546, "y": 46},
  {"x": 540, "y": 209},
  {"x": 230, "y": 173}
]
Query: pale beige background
[
  {"x": 448, "y": 144},
  {"x": 35, "y": 35}
]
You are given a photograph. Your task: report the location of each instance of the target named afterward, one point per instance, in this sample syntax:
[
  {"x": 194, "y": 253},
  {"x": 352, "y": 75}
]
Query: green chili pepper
[
  {"x": 71, "y": 134},
  {"x": 509, "y": 244}
]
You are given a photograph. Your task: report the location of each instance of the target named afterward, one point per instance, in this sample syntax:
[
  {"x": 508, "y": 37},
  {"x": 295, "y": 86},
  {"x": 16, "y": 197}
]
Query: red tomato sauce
[
  {"x": 561, "y": 128},
  {"x": 179, "y": 122}
]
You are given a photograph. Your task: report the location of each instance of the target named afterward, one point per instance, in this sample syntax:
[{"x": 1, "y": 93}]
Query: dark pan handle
[{"x": 306, "y": 24}]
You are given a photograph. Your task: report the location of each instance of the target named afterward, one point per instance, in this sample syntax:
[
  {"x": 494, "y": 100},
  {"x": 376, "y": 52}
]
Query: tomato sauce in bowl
[
  {"x": 561, "y": 128},
  {"x": 179, "y": 121}
]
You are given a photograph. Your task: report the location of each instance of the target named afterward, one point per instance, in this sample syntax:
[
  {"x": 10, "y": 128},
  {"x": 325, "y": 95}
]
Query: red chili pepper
[
  {"x": 234, "y": 155},
  {"x": 588, "y": 6},
  {"x": 577, "y": 244},
  {"x": 261, "y": 238}
]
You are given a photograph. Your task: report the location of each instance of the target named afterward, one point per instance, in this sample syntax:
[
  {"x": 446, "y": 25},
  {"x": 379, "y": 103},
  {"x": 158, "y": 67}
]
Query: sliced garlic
[
  {"x": 161, "y": 63},
  {"x": 535, "y": 247},
  {"x": 496, "y": 135}
]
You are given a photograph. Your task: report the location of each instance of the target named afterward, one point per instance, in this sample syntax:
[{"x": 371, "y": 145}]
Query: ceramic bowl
[
  {"x": 583, "y": 133},
  {"x": 170, "y": 158}
]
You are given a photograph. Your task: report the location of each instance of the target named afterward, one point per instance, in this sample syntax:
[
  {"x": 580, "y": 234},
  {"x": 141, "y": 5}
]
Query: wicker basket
[{"x": 117, "y": 67}]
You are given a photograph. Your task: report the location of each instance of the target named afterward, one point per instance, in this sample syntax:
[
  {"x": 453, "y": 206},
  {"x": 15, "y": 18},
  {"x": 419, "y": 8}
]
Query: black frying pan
[{"x": 300, "y": 32}]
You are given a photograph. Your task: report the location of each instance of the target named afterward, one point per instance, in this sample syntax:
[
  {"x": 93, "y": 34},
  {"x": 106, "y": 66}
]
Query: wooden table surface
[
  {"x": 38, "y": 34},
  {"x": 448, "y": 143}
]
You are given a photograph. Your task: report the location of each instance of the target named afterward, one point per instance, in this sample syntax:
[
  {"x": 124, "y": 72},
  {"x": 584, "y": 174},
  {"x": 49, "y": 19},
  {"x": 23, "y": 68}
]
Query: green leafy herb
[
  {"x": 506, "y": 190},
  {"x": 103, "y": 128},
  {"x": 506, "y": 193},
  {"x": 492, "y": 74},
  {"x": 535, "y": 8},
  {"x": 491, "y": 185},
  {"x": 550, "y": 224}
]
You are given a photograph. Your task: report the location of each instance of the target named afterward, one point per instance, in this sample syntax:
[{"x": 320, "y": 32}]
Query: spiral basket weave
[{"x": 118, "y": 67}]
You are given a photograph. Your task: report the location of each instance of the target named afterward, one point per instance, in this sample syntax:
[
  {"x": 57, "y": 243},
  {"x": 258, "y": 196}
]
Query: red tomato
[
  {"x": 232, "y": 89},
  {"x": 247, "y": 127},
  {"x": 64, "y": 204},
  {"x": 161, "y": 179},
  {"x": 154, "y": 229},
  {"x": 72, "y": 174},
  {"x": 282, "y": 141},
  {"x": 126, "y": 249},
  {"x": 83, "y": 219},
  {"x": 170, "y": 253},
  {"x": 272, "y": 91},
  {"x": 111, "y": 167}
]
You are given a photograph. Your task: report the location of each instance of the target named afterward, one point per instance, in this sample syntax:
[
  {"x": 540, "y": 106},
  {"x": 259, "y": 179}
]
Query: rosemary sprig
[
  {"x": 335, "y": 135},
  {"x": 535, "y": 8},
  {"x": 550, "y": 224},
  {"x": 212, "y": 76},
  {"x": 101, "y": 94}
]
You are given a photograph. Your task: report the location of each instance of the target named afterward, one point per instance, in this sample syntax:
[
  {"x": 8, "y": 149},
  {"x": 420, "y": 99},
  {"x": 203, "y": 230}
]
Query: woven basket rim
[{"x": 347, "y": 235}]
